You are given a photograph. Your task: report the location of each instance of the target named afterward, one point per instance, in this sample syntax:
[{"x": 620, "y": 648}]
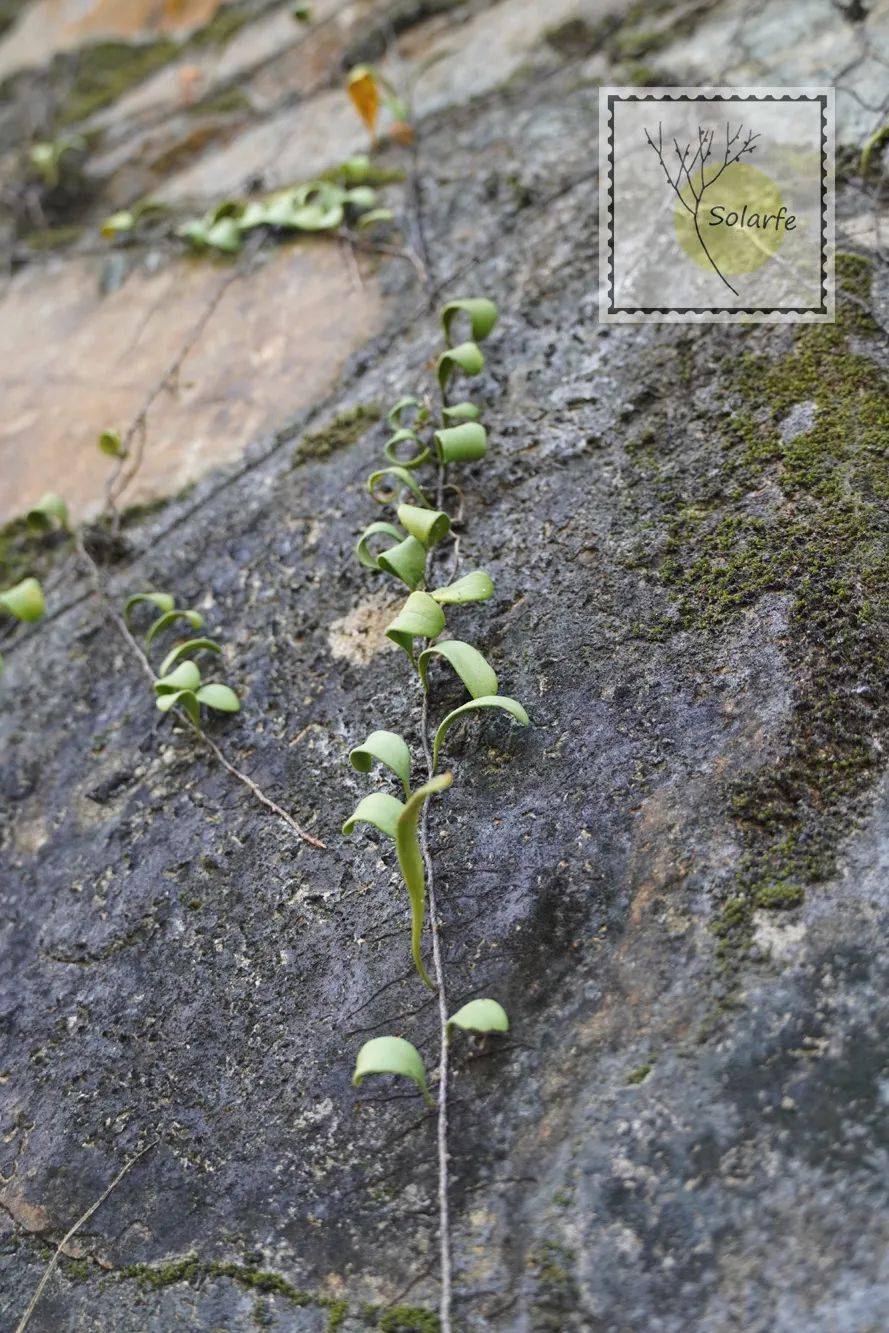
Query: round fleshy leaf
[
  {"x": 386, "y": 748},
  {"x": 24, "y": 600},
  {"x": 391, "y": 1055},
  {"x": 379, "y": 809},
  {"x": 480, "y": 1016}
]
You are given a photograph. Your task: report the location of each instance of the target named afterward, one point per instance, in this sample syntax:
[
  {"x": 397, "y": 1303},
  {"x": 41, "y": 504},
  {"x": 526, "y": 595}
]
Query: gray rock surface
[{"x": 674, "y": 879}]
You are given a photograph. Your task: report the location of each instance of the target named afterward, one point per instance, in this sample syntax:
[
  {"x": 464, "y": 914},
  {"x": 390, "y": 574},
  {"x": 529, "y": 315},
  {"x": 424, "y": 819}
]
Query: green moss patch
[
  {"x": 343, "y": 430},
  {"x": 409, "y": 1319},
  {"x": 98, "y": 74},
  {"x": 800, "y": 512}
]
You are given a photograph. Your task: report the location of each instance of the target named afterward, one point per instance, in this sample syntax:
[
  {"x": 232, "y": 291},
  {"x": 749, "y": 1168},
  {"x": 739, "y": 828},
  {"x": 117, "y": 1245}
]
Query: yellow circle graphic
[{"x": 737, "y": 222}]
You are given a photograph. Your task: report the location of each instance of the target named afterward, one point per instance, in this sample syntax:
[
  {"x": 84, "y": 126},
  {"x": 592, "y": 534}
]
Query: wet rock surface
[{"x": 674, "y": 879}]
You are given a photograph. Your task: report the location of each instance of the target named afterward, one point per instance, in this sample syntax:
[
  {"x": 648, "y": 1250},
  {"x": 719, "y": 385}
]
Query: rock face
[{"x": 674, "y": 879}]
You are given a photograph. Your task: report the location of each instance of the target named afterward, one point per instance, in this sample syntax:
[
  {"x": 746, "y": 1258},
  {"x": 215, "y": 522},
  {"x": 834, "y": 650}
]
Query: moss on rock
[{"x": 797, "y": 506}]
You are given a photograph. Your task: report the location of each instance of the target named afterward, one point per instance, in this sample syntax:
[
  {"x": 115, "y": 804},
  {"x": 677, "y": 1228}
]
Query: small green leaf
[
  {"x": 162, "y": 600},
  {"x": 111, "y": 444},
  {"x": 194, "y": 231},
  {"x": 24, "y": 600},
  {"x": 375, "y": 215},
  {"x": 301, "y": 13},
  {"x": 461, "y": 412},
  {"x": 225, "y": 235},
  {"x": 420, "y": 617},
  {"x": 479, "y": 678},
  {"x": 465, "y": 356},
  {"x": 391, "y": 1055},
  {"x": 407, "y": 561},
  {"x": 387, "y": 493},
  {"x": 387, "y": 748},
  {"x": 390, "y": 449},
  {"x": 316, "y": 217},
  {"x": 220, "y": 697},
  {"x": 410, "y": 858},
  {"x": 474, "y": 587},
  {"x": 118, "y": 224},
  {"x": 194, "y": 618},
  {"x": 255, "y": 214},
  {"x": 185, "y": 677},
  {"x": 186, "y": 699},
  {"x": 461, "y": 444},
  {"x": 379, "y": 809},
  {"x": 481, "y": 312},
  {"x": 356, "y": 170},
  {"x": 49, "y": 509},
  {"x": 427, "y": 525},
  {"x": 480, "y": 1016},
  {"x": 189, "y": 646},
  {"x": 362, "y": 197},
  {"x": 494, "y": 701}
]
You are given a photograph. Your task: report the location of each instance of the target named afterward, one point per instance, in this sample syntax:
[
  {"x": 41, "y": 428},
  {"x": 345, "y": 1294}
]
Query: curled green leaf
[
  {"x": 419, "y": 453},
  {"x": 24, "y": 600},
  {"x": 111, "y": 444},
  {"x": 421, "y": 617},
  {"x": 388, "y": 749},
  {"x": 427, "y": 525},
  {"x": 363, "y": 550},
  {"x": 379, "y": 809},
  {"x": 185, "y": 677},
  {"x": 461, "y": 412},
  {"x": 162, "y": 600},
  {"x": 481, "y": 312},
  {"x": 407, "y": 561},
  {"x": 391, "y": 1055},
  {"x": 474, "y": 587},
  {"x": 49, "y": 509},
  {"x": 461, "y": 444},
  {"x": 479, "y": 678},
  {"x": 219, "y": 697},
  {"x": 193, "y": 618},
  {"x": 410, "y": 859},
  {"x": 494, "y": 701},
  {"x": 480, "y": 1016},
  {"x": 465, "y": 356},
  {"x": 189, "y": 646},
  {"x": 385, "y": 492},
  {"x": 396, "y": 413}
]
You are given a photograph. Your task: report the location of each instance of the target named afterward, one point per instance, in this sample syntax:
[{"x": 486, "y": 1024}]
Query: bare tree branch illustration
[{"x": 691, "y": 172}]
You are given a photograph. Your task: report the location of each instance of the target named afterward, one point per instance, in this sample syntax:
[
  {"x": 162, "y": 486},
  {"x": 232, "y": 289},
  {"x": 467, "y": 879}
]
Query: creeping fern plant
[{"x": 407, "y": 551}]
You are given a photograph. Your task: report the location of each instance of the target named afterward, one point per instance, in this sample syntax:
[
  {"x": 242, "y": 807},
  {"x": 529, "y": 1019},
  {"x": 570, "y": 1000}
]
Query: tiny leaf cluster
[{"x": 179, "y": 683}]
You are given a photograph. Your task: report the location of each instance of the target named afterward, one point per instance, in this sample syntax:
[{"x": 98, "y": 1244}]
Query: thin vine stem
[
  {"x": 72, "y": 1231},
  {"x": 444, "y": 1218},
  {"x": 136, "y": 648}
]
